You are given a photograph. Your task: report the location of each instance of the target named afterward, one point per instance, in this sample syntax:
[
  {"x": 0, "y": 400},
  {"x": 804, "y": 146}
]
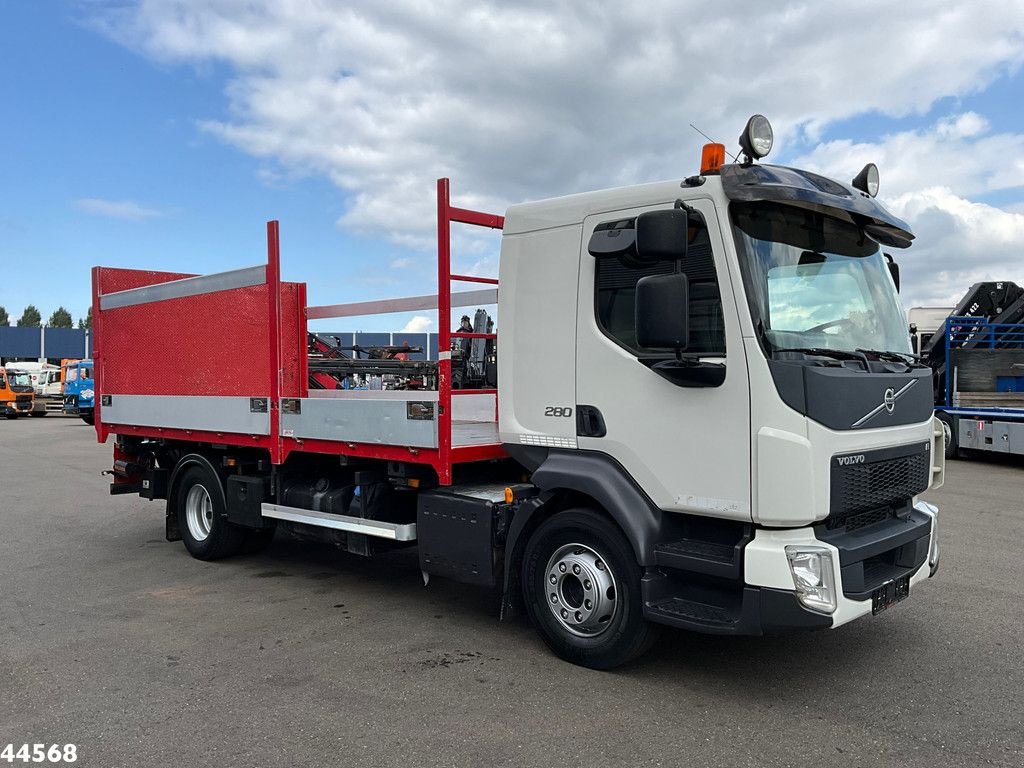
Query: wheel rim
[
  {"x": 199, "y": 512},
  {"x": 581, "y": 591}
]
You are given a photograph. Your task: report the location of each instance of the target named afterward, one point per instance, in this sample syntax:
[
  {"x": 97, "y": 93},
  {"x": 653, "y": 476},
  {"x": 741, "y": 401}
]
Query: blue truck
[
  {"x": 977, "y": 359},
  {"x": 79, "y": 389}
]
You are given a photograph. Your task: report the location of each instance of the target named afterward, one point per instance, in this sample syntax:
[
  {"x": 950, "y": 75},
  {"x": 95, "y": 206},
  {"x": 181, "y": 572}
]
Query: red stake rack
[{"x": 446, "y": 214}]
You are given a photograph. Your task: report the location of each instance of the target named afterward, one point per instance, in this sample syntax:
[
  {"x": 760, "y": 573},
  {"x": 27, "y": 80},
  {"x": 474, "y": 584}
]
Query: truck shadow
[{"x": 750, "y": 667}]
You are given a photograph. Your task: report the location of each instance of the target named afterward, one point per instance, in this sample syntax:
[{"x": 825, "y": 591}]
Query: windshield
[
  {"x": 815, "y": 281},
  {"x": 19, "y": 379},
  {"x": 71, "y": 373}
]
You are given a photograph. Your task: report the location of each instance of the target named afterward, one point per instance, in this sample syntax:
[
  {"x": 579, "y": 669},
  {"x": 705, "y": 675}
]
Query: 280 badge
[{"x": 558, "y": 411}]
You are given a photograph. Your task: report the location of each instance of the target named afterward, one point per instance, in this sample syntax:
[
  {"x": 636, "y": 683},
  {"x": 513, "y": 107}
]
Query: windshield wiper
[
  {"x": 896, "y": 357},
  {"x": 835, "y": 354}
]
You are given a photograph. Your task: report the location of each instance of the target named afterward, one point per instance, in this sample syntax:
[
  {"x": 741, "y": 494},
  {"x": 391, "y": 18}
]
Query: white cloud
[
  {"x": 128, "y": 210},
  {"x": 522, "y": 99},
  {"x": 958, "y": 243},
  {"x": 403, "y": 262},
  {"x": 516, "y": 100},
  {"x": 956, "y": 152},
  {"x": 419, "y": 324}
]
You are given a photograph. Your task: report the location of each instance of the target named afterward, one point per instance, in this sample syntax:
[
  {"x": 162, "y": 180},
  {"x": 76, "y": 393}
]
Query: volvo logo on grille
[
  {"x": 860, "y": 458},
  {"x": 889, "y": 400},
  {"x": 888, "y": 403}
]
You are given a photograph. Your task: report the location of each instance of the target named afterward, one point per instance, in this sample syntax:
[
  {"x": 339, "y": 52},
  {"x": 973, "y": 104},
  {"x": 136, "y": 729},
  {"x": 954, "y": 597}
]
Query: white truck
[{"x": 707, "y": 415}]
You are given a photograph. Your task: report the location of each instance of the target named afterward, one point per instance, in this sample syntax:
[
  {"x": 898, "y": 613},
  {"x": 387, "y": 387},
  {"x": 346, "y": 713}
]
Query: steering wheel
[{"x": 830, "y": 324}]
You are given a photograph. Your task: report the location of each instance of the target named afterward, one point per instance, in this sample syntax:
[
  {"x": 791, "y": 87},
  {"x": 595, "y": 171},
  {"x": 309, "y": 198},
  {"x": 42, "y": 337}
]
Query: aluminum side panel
[
  {"x": 200, "y": 412},
  {"x": 374, "y": 421}
]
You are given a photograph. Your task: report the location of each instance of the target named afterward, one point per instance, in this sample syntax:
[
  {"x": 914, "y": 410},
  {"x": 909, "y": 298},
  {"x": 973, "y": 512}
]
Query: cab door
[{"x": 688, "y": 447}]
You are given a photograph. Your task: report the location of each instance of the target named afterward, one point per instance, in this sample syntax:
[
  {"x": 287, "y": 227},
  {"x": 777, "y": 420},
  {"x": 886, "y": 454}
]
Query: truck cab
[
  {"x": 79, "y": 389},
  {"x": 16, "y": 394},
  {"x": 734, "y": 384}
]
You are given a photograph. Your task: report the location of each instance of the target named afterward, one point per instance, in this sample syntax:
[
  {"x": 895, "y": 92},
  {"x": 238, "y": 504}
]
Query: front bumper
[
  {"x": 766, "y": 602},
  {"x": 862, "y": 561}
]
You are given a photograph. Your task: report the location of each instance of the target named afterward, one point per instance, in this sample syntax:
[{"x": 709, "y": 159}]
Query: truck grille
[
  {"x": 867, "y": 490},
  {"x": 23, "y": 399}
]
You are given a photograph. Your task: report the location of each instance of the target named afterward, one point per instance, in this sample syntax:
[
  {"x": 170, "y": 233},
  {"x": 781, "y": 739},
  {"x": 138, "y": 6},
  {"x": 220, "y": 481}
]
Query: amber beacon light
[{"x": 712, "y": 158}]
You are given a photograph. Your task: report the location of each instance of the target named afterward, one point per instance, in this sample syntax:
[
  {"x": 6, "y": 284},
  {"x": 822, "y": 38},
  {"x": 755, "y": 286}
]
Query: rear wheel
[
  {"x": 202, "y": 516},
  {"x": 581, "y": 586}
]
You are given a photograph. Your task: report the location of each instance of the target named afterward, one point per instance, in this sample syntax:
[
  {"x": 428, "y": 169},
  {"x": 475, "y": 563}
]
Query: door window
[{"x": 615, "y": 299}]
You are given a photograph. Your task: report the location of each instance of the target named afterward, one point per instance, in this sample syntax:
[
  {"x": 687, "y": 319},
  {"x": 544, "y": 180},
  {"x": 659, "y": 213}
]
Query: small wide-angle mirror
[{"x": 613, "y": 239}]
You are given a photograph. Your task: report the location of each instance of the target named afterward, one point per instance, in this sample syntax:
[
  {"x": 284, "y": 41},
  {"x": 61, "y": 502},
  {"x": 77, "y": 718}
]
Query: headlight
[{"x": 813, "y": 577}]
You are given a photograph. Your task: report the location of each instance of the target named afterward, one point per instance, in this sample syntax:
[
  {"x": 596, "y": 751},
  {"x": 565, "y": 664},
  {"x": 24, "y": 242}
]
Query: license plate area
[{"x": 889, "y": 594}]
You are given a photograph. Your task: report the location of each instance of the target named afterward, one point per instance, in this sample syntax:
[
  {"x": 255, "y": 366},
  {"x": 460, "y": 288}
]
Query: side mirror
[
  {"x": 662, "y": 235},
  {"x": 662, "y": 311},
  {"x": 894, "y": 270}
]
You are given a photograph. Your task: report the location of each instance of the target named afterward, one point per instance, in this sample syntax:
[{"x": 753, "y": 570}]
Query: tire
[
  {"x": 202, "y": 520},
  {"x": 89, "y": 419},
  {"x": 950, "y": 427},
  {"x": 38, "y": 413},
  {"x": 11, "y": 416},
  {"x": 568, "y": 556}
]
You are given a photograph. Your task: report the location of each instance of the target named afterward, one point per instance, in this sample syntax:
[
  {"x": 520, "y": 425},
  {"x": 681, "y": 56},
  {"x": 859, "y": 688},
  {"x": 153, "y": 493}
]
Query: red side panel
[
  {"x": 211, "y": 344},
  {"x": 294, "y": 353}
]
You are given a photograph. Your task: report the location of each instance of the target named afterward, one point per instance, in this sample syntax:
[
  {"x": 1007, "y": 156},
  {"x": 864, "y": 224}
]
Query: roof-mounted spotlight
[
  {"x": 756, "y": 139},
  {"x": 867, "y": 180}
]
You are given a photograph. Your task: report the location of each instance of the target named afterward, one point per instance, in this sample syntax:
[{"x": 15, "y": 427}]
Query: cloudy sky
[{"x": 163, "y": 133}]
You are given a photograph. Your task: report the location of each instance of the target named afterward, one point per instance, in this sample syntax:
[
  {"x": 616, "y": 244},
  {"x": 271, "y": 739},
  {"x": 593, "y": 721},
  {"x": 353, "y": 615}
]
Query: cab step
[
  {"x": 676, "y": 610},
  {"x": 697, "y": 556}
]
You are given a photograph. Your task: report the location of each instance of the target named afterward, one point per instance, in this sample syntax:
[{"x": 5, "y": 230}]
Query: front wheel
[
  {"x": 581, "y": 586},
  {"x": 88, "y": 418},
  {"x": 12, "y": 415},
  {"x": 202, "y": 516}
]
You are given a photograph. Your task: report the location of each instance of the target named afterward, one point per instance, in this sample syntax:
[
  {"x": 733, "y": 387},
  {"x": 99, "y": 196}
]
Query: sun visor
[{"x": 775, "y": 183}]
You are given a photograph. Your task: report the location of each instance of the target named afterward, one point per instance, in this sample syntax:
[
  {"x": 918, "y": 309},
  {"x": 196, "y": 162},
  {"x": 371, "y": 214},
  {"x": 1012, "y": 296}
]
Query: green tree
[
  {"x": 30, "y": 318},
  {"x": 5, "y": 319},
  {"x": 61, "y": 318},
  {"x": 86, "y": 322}
]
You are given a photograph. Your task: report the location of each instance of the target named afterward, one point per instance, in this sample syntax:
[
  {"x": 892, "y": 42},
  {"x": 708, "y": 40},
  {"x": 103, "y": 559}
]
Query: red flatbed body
[{"x": 223, "y": 359}]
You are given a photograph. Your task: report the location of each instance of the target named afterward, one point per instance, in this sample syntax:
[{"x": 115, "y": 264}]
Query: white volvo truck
[{"x": 708, "y": 417}]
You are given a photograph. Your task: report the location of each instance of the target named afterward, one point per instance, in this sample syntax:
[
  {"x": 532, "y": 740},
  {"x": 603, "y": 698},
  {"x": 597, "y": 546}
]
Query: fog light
[{"x": 813, "y": 577}]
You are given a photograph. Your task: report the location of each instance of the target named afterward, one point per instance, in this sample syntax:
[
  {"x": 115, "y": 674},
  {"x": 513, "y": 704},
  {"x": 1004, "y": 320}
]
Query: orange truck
[{"x": 16, "y": 394}]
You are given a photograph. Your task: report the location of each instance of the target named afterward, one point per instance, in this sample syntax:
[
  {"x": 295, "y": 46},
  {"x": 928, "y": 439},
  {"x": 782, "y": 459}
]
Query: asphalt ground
[{"x": 118, "y": 642}]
